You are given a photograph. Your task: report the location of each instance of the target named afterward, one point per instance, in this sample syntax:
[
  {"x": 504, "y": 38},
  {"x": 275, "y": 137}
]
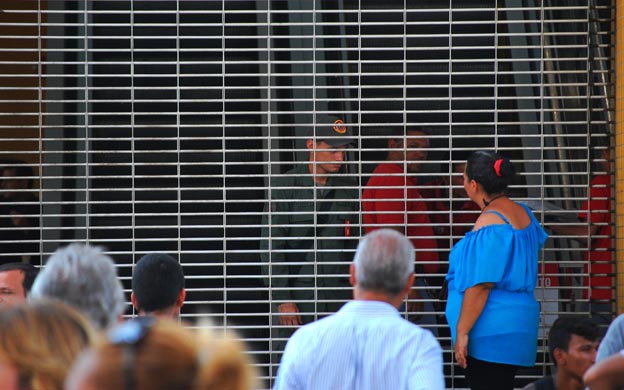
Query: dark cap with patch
[{"x": 332, "y": 130}]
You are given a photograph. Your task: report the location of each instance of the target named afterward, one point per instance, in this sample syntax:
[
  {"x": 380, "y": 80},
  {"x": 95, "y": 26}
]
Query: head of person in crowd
[
  {"x": 149, "y": 354},
  {"x": 487, "y": 174},
  {"x": 85, "y": 278},
  {"x": 383, "y": 267},
  {"x": 39, "y": 341},
  {"x": 158, "y": 286},
  {"x": 327, "y": 145},
  {"x": 490, "y": 170},
  {"x": 17, "y": 177},
  {"x": 16, "y": 280},
  {"x": 573, "y": 343},
  {"x": 410, "y": 148}
]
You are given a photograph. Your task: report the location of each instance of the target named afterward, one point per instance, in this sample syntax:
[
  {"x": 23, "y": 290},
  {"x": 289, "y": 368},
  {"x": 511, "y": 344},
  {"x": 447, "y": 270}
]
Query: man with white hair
[
  {"x": 83, "y": 277},
  {"x": 366, "y": 344}
]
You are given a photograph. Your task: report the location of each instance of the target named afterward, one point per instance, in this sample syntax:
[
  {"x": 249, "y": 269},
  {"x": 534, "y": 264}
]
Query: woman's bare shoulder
[
  {"x": 486, "y": 219},
  {"x": 514, "y": 212}
]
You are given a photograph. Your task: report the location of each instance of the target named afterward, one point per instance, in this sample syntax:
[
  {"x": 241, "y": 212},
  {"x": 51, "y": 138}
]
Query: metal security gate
[{"x": 161, "y": 126}]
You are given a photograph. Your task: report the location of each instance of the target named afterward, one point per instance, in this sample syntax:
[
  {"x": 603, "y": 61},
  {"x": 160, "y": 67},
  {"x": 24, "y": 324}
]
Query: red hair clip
[{"x": 497, "y": 166}]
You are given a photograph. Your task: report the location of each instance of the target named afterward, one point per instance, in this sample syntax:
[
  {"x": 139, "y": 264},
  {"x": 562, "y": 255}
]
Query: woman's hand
[
  {"x": 474, "y": 301},
  {"x": 461, "y": 350}
]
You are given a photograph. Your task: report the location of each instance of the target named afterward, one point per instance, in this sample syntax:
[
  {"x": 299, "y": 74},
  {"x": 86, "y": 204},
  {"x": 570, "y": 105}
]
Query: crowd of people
[
  {"x": 63, "y": 326},
  {"x": 75, "y": 337}
]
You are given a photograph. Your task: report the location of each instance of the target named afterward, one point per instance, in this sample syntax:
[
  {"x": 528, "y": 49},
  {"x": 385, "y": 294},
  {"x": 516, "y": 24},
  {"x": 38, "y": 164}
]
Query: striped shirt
[{"x": 365, "y": 345}]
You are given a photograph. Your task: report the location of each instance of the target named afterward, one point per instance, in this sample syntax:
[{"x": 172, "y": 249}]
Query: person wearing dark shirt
[
  {"x": 572, "y": 342},
  {"x": 310, "y": 231},
  {"x": 19, "y": 214}
]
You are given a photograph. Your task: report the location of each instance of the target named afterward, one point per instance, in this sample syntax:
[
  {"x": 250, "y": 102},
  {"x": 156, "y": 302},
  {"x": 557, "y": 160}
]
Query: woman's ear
[{"x": 474, "y": 186}]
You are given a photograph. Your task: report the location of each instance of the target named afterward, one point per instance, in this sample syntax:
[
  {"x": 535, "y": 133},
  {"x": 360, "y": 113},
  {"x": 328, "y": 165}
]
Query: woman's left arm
[{"x": 472, "y": 306}]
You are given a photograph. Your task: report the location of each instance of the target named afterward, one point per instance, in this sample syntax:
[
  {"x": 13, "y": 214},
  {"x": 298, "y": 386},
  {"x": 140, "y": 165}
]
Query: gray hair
[
  {"x": 85, "y": 278},
  {"x": 384, "y": 261}
]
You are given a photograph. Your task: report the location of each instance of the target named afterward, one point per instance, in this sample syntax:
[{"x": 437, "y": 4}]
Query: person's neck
[
  {"x": 365, "y": 295},
  {"x": 172, "y": 312},
  {"x": 568, "y": 382},
  {"x": 319, "y": 177},
  {"x": 490, "y": 200}
]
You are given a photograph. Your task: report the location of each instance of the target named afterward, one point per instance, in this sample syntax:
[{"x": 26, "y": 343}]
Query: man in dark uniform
[{"x": 310, "y": 232}]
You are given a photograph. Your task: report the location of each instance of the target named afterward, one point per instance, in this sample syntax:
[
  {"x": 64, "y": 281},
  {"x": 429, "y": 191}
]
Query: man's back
[{"x": 366, "y": 345}]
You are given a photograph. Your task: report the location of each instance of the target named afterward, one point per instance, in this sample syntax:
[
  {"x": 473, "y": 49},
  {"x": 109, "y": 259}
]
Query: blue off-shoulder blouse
[{"x": 506, "y": 330}]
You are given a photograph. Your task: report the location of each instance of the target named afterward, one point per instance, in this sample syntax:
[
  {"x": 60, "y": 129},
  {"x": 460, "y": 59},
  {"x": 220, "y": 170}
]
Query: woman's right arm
[{"x": 473, "y": 303}]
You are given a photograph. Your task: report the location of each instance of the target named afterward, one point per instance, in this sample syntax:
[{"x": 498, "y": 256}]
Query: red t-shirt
[
  {"x": 390, "y": 195},
  {"x": 599, "y": 257},
  {"x": 464, "y": 214}
]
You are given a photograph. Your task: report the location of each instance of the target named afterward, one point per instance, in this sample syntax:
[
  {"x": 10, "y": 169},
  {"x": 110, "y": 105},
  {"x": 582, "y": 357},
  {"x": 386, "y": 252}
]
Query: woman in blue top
[{"x": 491, "y": 310}]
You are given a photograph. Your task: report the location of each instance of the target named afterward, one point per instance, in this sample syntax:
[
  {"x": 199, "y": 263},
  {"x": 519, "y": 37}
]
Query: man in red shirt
[
  {"x": 452, "y": 216},
  {"x": 596, "y": 212},
  {"x": 391, "y": 199}
]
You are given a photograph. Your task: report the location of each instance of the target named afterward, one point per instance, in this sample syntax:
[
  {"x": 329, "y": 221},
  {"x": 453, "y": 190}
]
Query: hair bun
[{"x": 506, "y": 169}]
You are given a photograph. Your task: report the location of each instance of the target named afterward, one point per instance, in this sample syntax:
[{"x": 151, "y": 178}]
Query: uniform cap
[{"x": 332, "y": 130}]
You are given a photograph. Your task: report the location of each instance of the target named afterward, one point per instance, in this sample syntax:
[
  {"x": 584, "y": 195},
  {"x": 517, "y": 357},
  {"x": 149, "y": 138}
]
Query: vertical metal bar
[
  {"x": 132, "y": 140},
  {"x": 315, "y": 200},
  {"x": 619, "y": 153},
  {"x": 40, "y": 125},
  {"x": 224, "y": 166},
  {"x": 178, "y": 125},
  {"x": 86, "y": 119}
]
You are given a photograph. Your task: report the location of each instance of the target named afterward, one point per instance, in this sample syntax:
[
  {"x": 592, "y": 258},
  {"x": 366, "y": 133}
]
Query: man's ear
[
  {"x": 560, "y": 357},
  {"x": 352, "y": 274},
  {"x": 408, "y": 284},
  {"x": 181, "y": 298},
  {"x": 310, "y": 144},
  {"x": 134, "y": 301}
]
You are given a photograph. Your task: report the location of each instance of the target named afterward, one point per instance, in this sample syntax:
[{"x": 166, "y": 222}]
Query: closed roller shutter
[{"x": 171, "y": 126}]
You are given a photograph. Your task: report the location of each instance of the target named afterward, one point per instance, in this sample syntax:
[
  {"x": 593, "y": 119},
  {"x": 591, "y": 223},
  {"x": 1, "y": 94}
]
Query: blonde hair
[
  {"x": 171, "y": 356},
  {"x": 41, "y": 339}
]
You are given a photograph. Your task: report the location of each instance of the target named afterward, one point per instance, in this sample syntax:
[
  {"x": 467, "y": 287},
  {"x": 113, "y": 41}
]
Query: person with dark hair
[
  {"x": 595, "y": 229},
  {"x": 17, "y": 179},
  {"x": 16, "y": 280},
  {"x": 491, "y": 310},
  {"x": 572, "y": 343},
  {"x": 309, "y": 232},
  {"x": 391, "y": 194},
  {"x": 19, "y": 211},
  {"x": 158, "y": 286},
  {"x": 366, "y": 344},
  {"x": 392, "y": 200}
]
